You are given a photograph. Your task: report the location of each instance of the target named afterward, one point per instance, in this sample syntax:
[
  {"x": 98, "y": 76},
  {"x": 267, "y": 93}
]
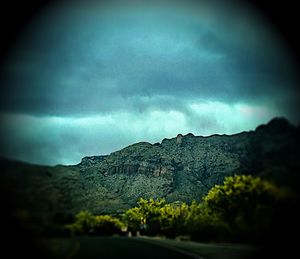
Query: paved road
[{"x": 119, "y": 247}]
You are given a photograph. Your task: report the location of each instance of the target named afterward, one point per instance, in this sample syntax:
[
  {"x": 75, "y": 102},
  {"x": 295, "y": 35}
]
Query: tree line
[{"x": 243, "y": 209}]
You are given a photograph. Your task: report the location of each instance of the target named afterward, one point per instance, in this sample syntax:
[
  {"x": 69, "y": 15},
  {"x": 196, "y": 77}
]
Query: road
[{"x": 121, "y": 247}]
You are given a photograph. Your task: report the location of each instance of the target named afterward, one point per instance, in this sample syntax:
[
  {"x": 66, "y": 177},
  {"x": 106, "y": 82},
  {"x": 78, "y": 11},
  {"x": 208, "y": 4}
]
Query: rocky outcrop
[
  {"x": 91, "y": 160},
  {"x": 181, "y": 168}
]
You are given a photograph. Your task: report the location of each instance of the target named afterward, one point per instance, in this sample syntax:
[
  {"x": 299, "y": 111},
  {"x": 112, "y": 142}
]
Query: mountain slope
[{"x": 182, "y": 168}]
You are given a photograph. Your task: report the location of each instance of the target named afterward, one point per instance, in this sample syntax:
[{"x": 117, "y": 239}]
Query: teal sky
[{"x": 88, "y": 78}]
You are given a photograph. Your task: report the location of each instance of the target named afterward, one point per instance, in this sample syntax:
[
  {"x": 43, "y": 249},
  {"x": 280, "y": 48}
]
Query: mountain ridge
[
  {"x": 276, "y": 120},
  {"x": 181, "y": 168}
]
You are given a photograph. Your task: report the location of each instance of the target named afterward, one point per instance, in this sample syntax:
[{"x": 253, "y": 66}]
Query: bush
[
  {"x": 134, "y": 219},
  {"x": 107, "y": 225},
  {"x": 202, "y": 225},
  {"x": 146, "y": 216},
  {"x": 249, "y": 206},
  {"x": 243, "y": 209},
  {"x": 87, "y": 223},
  {"x": 154, "y": 217},
  {"x": 83, "y": 224},
  {"x": 173, "y": 219}
]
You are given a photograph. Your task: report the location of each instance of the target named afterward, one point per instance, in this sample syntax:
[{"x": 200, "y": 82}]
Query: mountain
[{"x": 181, "y": 168}]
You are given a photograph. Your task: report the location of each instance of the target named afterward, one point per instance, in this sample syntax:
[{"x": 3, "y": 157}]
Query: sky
[{"x": 89, "y": 78}]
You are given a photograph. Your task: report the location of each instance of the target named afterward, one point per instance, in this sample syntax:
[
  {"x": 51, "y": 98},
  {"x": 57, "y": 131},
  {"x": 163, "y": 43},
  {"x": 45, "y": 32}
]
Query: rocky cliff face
[{"x": 181, "y": 168}]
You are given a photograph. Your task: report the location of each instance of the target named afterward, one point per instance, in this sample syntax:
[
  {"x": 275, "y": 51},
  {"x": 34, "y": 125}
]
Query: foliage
[
  {"x": 248, "y": 205},
  {"x": 244, "y": 208},
  {"x": 106, "y": 225},
  {"x": 173, "y": 218},
  {"x": 134, "y": 219},
  {"x": 87, "y": 223},
  {"x": 240, "y": 193},
  {"x": 202, "y": 225},
  {"x": 84, "y": 221},
  {"x": 154, "y": 217},
  {"x": 146, "y": 216}
]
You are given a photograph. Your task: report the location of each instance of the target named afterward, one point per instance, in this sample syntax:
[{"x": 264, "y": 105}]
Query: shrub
[
  {"x": 84, "y": 221},
  {"x": 248, "y": 205},
  {"x": 87, "y": 223},
  {"x": 134, "y": 219},
  {"x": 106, "y": 225}
]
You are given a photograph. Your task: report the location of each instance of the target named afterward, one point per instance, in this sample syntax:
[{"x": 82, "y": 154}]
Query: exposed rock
[
  {"x": 91, "y": 160},
  {"x": 179, "y": 139},
  {"x": 181, "y": 168}
]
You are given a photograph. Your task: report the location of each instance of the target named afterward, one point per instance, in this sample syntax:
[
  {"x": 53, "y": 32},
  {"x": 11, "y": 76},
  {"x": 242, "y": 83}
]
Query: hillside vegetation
[{"x": 183, "y": 168}]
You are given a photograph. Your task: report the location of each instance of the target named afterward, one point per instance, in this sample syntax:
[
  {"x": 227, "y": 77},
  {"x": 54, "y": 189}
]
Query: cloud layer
[
  {"x": 86, "y": 74},
  {"x": 66, "y": 139}
]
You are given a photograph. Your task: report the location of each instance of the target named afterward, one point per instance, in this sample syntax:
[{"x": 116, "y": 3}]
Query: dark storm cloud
[
  {"x": 105, "y": 77},
  {"x": 81, "y": 62}
]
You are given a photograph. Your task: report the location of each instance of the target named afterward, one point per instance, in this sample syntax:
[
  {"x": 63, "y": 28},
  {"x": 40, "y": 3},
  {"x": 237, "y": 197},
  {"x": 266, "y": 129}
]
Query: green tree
[
  {"x": 172, "y": 218},
  {"x": 134, "y": 219},
  {"x": 106, "y": 225},
  {"x": 157, "y": 217},
  {"x": 150, "y": 210},
  {"x": 87, "y": 223},
  {"x": 146, "y": 216},
  {"x": 84, "y": 221},
  {"x": 203, "y": 225},
  {"x": 248, "y": 205}
]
